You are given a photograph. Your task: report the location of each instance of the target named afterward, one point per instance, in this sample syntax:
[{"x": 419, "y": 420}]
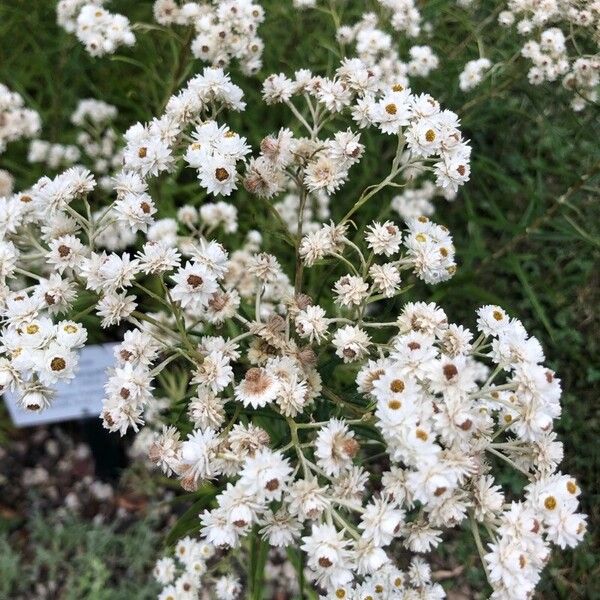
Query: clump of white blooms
[
  {"x": 16, "y": 121},
  {"x": 376, "y": 48},
  {"x": 249, "y": 352},
  {"x": 100, "y": 31},
  {"x": 225, "y": 29},
  {"x": 96, "y": 145},
  {"x": 418, "y": 201},
  {"x": 38, "y": 350},
  {"x": 53, "y": 155},
  {"x": 404, "y": 16},
  {"x": 561, "y": 43},
  {"x": 473, "y": 73},
  {"x": 197, "y": 569},
  {"x": 429, "y": 134}
]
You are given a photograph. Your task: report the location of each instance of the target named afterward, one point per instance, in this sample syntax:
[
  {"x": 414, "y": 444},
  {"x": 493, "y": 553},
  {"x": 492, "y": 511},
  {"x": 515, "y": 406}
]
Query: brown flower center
[
  {"x": 195, "y": 281},
  {"x": 272, "y": 485},
  {"x": 256, "y": 381},
  {"x": 450, "y": 371},
  {"x": 221, "y": 174},
  {"x": 397, "y": 386},
  {"x": 58, "y": 363}
]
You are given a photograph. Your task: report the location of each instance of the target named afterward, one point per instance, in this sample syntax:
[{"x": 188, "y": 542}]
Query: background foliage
[{"x": 526, "y": 228}]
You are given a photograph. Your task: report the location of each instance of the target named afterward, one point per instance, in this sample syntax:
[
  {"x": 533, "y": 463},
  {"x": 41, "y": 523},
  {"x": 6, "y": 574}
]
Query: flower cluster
[
  {"x": 214, "y": 152},
  {"x": 100, "y": 31},
  {"x": 375, "y": 47},
  {"x": 432, "y": 135},
  {"x": 188, "y": 574},
  {"x": 473, "y": 73},
  {"x": 98, "y": 139},
  {"x": 52, "y": 155},
  {"x": 183, "y": 576},
  {"x": 16, "y": 122},
  {"x": 225, "y": 30},
  {"x": 416, "y": 202},
  {"x": 554, "y": 51},
  {"x": 36, "y": 352},
  {"x": 405, "y": 16},
  {"x": 96, "y": 143},
  {"x": 289, "y": 375}
]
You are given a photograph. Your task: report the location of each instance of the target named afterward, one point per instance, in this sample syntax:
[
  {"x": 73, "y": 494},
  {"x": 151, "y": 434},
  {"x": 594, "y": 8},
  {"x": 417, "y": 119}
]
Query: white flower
[
  {"x": 384, "y": 238},
  {"x": 227, "y": 588},
  {"x": 312, "y": 323},
  {"x": 351, "y": 290},
  {"x": 351, "y": 343},
  {"x": 266, "y": 475},
  {"x": 328, "y": 555},
  {"x": 335, "y": 447},
  {"x": 194, "y": 286},
  {"x": 164, "y": 570},
  {"x": 257, "y": 389},
  {"x": 280, "y": 528},
  {"x": 215, "y": 372},
  {"x": 380, "y": 522},
  {"x": 393, "y": 111},
  {"x": 197, "y": 456}
]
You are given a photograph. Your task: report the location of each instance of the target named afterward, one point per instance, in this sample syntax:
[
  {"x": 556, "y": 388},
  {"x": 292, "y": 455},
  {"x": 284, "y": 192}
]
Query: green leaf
[
  {"x": 533, "y": 299},
  {"x": 189, "y": 521}
]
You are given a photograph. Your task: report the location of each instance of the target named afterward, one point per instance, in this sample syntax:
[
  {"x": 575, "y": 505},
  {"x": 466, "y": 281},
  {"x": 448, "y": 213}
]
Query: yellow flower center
[{"x": 422, "y": 435}]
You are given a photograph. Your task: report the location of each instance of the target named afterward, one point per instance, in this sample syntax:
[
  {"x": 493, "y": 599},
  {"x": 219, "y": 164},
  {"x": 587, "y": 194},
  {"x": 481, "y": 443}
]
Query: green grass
[{"x": 526, "y": 228}]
